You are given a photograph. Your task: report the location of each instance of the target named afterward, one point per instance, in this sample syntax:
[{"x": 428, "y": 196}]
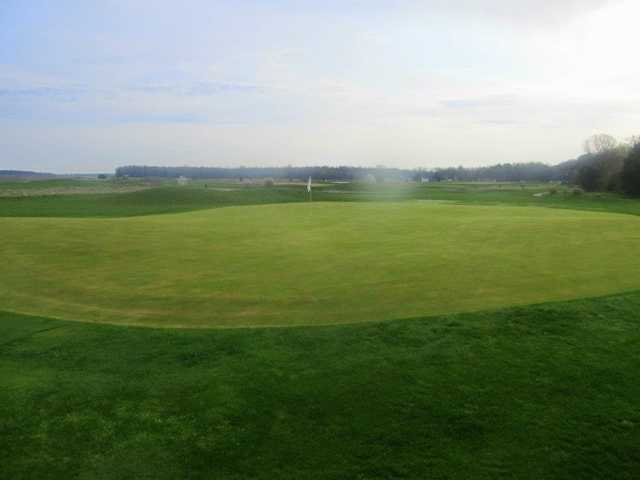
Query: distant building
[
  {"x": 424, "y": 180},
  {"x": 183, "y": 180}
]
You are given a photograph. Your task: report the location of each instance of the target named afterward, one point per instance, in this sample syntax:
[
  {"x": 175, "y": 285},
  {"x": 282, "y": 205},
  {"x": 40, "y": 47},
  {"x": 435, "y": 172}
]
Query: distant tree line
[
  {"x": 289, "y": 172},
  {"x": 606, "y": 165},
  {"x": 508, "y": 172},
  {"x": 504, "y": 172},
  {"x": 23, "y": 173}
]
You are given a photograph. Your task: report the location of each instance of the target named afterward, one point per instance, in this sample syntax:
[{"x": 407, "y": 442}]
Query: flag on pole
[{"x": 309, "y": 185}]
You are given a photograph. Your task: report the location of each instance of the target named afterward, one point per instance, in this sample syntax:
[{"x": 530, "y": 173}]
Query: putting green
[{"x": 306, "y": 264}]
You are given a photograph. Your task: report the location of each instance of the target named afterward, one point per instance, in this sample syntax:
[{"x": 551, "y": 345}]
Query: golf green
[{"x": 312, "y": 264}]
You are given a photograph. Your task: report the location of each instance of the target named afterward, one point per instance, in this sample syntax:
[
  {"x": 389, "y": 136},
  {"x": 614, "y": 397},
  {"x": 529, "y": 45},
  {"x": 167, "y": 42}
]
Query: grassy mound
[
  {"x": 547, "y": 391},
  {"x": 310, "y": 264}
]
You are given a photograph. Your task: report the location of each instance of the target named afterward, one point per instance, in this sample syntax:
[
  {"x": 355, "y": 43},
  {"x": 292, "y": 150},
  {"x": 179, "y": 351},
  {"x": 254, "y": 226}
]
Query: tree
[
  {"x": 631, "y": 172},
  {"x": 599, "y": 143},
  {"x": 589, "y": 177},
  {"x": 600, "y": 171}
]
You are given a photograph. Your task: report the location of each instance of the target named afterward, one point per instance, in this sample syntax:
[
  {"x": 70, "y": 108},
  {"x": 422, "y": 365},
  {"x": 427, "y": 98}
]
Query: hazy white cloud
[
  {"x": 90, "y": 86},
  {"x": 548, "y": 13}
]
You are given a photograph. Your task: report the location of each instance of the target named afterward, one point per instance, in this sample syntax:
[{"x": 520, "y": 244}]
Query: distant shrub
[
  {"x": 577, "y": 191},
  {"x": 268, "y": 182},
  {"x": 553, "y": 191},
  {"x": 102, "y": 176}
]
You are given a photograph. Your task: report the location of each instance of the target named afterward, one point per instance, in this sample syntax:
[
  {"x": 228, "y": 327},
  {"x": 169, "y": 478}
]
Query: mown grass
[
  {"x": 492, "y": 193},
  {"x": 158, "y": 200},
  {"x": 541, "y": 391},
  {"x": 547, "y": 391},
  {"x": 166, "y": 198},
  {"x": 312, "y": 264}
]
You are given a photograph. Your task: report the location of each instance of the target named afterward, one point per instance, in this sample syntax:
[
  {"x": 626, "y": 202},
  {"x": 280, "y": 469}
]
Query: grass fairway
[
  {"x": 312, "y": 264},
  {"x": 538, "y": 392}
]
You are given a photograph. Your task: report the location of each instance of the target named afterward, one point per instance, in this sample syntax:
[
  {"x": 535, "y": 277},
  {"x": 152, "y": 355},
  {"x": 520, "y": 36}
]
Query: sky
[{"x": 86, "y": 86}]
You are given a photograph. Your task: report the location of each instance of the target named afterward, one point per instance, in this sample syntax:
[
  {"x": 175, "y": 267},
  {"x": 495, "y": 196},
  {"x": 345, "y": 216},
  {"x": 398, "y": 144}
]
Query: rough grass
[
  {"x": 171, "y": 199},
  {"x": 310, "y": 264},
  {"x": 548, "y": 391},
  {"x": 144, "y": 202}
]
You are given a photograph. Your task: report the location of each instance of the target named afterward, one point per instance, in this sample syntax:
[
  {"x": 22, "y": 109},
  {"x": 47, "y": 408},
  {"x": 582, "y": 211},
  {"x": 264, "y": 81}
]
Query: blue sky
[{"x": 87, "y": 86}]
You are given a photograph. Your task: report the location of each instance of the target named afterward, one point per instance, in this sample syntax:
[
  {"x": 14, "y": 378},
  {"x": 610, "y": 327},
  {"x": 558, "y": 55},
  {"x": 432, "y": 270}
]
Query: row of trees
[
  {"x": 608, "y": 165},
  {"x": 289, "y": 172},
  {"x": 503, "y": 172},
  {"x": 507, "y": 172},
  {"x": 23, "y": 173}
]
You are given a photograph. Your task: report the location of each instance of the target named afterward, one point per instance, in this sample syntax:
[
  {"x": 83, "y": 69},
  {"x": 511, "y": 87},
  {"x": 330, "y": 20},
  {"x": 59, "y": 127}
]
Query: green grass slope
[
  {"x": 548, "y": 391},
  {"x": 310, "y": 264},
  {"x": 144, "y": 202},
  {"x": 171, "y": 199}
]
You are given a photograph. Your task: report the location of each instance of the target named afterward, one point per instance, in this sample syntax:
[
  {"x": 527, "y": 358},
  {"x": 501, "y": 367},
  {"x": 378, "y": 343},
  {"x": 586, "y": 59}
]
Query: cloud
[
  {"x": 490, "y": 101},
  {"x": 356, "y": 82},
  {"x": 66, "y": 94},
  {"x": 542, "y": 12},
  {"x": 198, "y": 89},
  {"x": 158, "y": 118}
]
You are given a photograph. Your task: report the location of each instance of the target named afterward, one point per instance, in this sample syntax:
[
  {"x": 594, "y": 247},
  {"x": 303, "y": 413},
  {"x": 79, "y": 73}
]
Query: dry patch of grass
[{"x": 75, "y": 190}]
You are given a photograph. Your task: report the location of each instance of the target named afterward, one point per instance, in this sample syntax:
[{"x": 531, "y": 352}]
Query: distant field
[
  {"x": 313, "y": 263},
  {"x": 19, "y": 189}
]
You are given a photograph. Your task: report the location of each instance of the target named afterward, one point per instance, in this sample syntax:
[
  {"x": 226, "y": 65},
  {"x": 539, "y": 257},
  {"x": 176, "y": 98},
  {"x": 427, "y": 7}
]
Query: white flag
[{"x": 309, "y": 185}]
